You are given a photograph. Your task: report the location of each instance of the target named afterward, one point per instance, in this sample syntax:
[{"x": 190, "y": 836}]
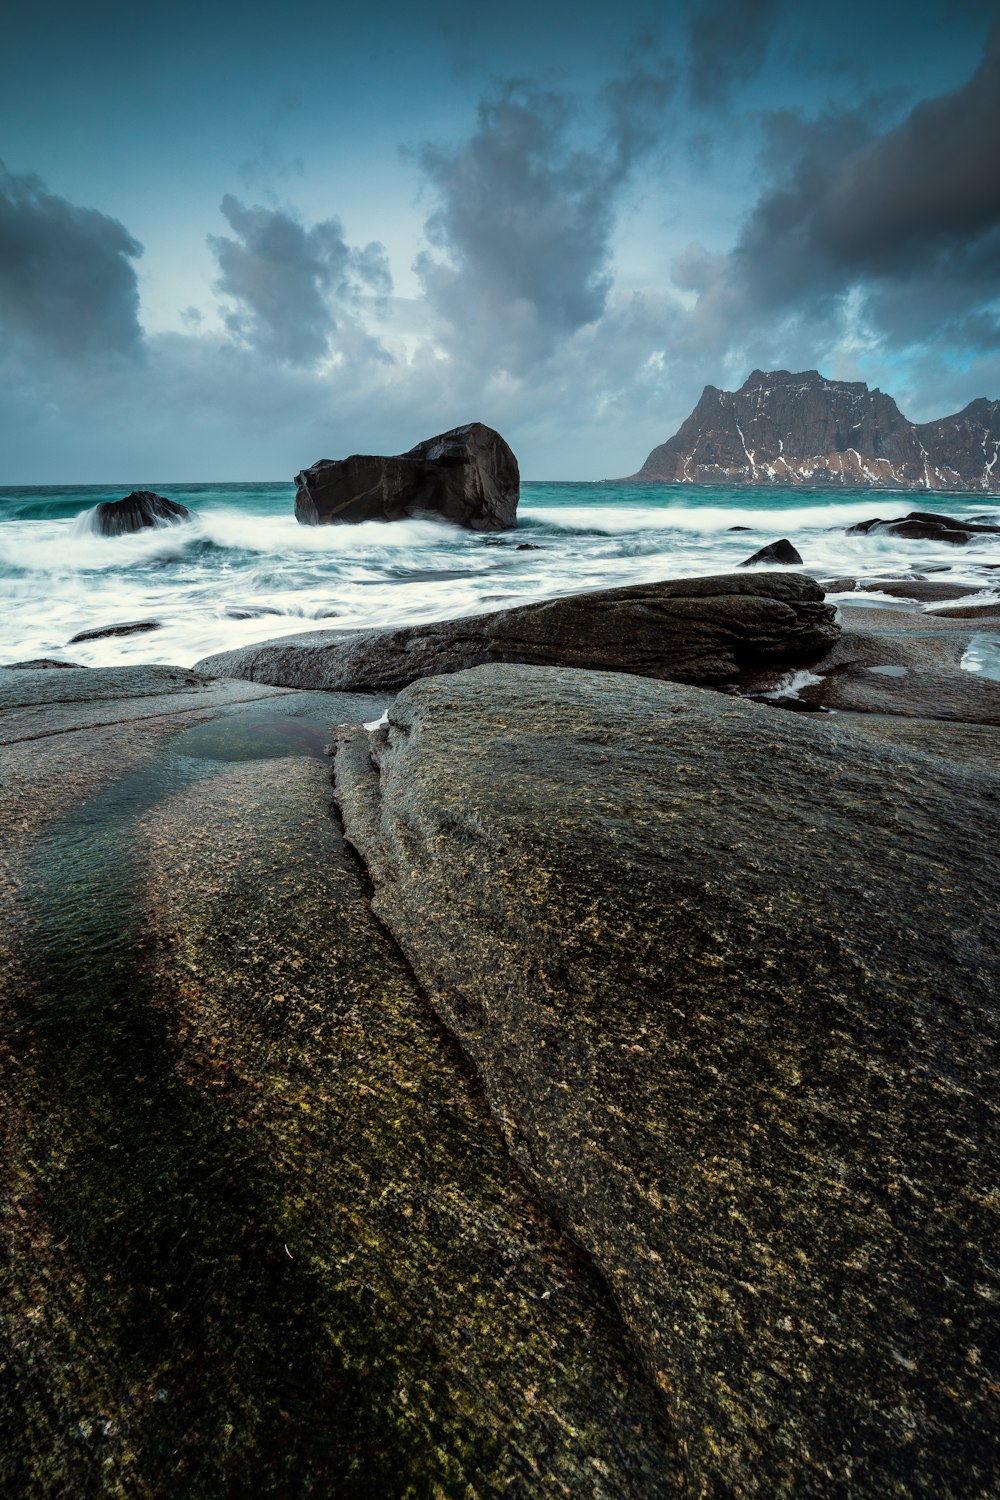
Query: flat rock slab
[
  {"x": 730, "y": 979},
  {"x": 692, "y": 629},
  {"x": 970, "y": 744},
  {"x": 260, "y": 1233},
  {"x": 986, "y": 610},
  {"x": 964, "y": 697},
  {"x": 39, "y": 702},
  {"x": 900, "y": 619},
  {"x": 922, "y": 590}
]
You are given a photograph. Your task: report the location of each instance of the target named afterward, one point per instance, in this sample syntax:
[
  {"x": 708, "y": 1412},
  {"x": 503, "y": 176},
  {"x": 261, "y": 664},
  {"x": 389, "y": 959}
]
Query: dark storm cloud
[
  {"x": 933, "y": 180},
  {"x": 909, "y": 219},
  {"x": 728, "y": 42},
  {"x": 526, "y": 214},
  {"x": 67, "y": 282},
  {"x": 294, "y": 286}
]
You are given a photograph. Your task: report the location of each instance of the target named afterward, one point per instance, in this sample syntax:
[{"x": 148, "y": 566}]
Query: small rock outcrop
[
  {"x": 138, "y": 510},
  {"x": 782, "y": 428},
  {"x": 686, "y": 629},
  {"x": 42, "y": 664},
  {"x": 467, "y": 476},
  {"x": 781, "y": 554},
  {"x": 925, "y": 526},
  {"x": 100, "y": 632},
  {"x": 728, "y": 980}
]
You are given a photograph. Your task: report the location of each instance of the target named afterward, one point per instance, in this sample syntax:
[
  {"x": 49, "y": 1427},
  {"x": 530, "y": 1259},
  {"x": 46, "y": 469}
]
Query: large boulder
[
  {"x": 468, "y": 476},
  {"x": 687, "y": 629},
  {"x": 729, "y": 979},
  {"x": 138, "y": 510}
]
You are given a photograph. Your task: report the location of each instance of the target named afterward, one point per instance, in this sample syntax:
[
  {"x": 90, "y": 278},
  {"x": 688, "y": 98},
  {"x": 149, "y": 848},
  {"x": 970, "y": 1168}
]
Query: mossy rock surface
[
  {"x": 730, "y": 978},
  {"x": 261, "y": 1235}
]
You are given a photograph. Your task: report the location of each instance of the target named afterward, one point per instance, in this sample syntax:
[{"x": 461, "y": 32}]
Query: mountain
[{"x": 780, "y": 428}]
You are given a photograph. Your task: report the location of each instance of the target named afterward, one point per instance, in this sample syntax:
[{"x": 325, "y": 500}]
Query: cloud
[
  {"x": 295, "y": 287},
  {"x": 900, "y": 229},
  {"x": 933, "y": 181},
  {"x": 67, "y": 283},
  {"x": 522, "y": 232},
  {"x": 728, "y": 41}
]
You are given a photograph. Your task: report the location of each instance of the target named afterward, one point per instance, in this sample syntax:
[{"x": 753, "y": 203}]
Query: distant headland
[{"x": 802, "y": 429}]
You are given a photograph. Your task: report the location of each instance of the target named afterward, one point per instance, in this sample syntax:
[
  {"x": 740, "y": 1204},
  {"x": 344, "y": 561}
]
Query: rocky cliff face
[{"x": 780, "y": 428}]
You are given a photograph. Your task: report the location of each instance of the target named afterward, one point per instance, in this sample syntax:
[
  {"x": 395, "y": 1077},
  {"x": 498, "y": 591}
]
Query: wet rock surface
[
  {"x": 101, "y": 632},
  {"x": 36, "y": 702},
  {"x": 894, "y": 688},
  {"x": 925, "y": 526},
  {"x": 923, "y": 590},
  {"x": 694, "y": 629},
  {"x": 467, "y": 476},
  {"x": 39, "y": 663},
  {"x": 140, "y": 509},
  {"x": 729, "y": 977},
  {"x": 261, "y": 1235}
]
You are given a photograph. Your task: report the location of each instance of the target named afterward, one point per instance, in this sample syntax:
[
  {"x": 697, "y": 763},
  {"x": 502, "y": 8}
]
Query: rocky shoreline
[{"x": 591, "y": 1092}]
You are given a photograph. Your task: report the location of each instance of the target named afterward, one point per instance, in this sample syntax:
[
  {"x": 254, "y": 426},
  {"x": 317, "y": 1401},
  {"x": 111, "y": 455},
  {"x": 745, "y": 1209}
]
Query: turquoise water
[{"x": 245, "y": 570}]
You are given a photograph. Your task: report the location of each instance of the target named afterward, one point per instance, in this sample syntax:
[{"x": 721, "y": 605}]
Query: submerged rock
[
  {"x": 467, "y": 476},
  {"x": 42, "y": 664},
  {"x": 729, "y": 979},
  {"x": 138, "y": 510},
  {"x": 688, "y": 629},
  {"x": 100, "y": 632},
  {"x": 781, "y": 552}
]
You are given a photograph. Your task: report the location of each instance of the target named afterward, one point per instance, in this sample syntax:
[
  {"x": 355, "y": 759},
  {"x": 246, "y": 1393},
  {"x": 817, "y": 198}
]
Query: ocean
[{"x": 245, "y": 570}]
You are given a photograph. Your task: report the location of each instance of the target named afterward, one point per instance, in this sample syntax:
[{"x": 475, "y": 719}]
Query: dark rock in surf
[
  {"x": 925, "y": 526},
  {"x": 467, "y": 476},
  {"x": 138, "y": 510},
  {"x": 685, "y": 629},
  {"x": 781, "y": 553},
  {"x": 132, "y": 627}
]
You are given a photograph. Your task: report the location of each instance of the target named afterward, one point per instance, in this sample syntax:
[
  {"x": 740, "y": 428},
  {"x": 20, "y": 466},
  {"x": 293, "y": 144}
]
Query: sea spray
[{"x": 243, "y": 569}]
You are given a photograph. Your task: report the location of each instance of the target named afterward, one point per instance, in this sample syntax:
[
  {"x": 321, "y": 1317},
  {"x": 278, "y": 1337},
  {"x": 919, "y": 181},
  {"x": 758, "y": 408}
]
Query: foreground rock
[
  {"x": 261, "y": 1236},
  {"x": 468, "y": 476},
  {"x": 690, "y": 629},
  {"x": 782, "y": 428},
  {"x": 729, "y": 978},
  {"x": 140, "y": 509}
]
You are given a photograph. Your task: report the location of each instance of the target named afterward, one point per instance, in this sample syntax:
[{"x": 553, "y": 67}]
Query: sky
[{"x": 236, "y": 238}]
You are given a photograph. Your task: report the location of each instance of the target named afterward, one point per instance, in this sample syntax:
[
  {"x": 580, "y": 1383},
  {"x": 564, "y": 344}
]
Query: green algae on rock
[
  {"x": 730, "y": 980},
  {"x": 262, "y": 1236}
]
